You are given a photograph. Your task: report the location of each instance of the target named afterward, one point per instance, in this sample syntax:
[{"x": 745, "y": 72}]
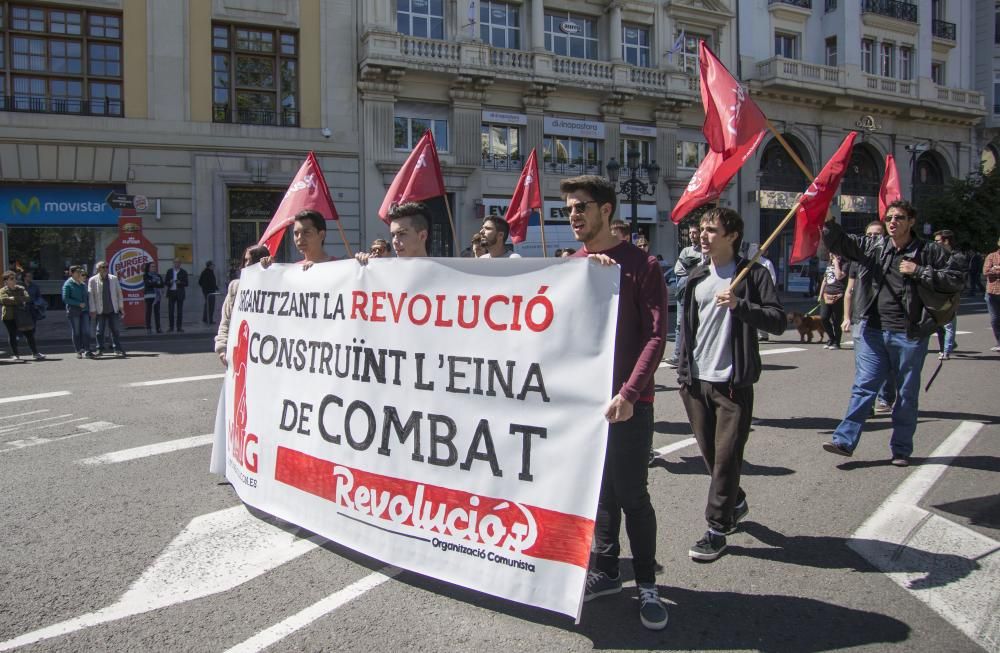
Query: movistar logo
[{"x": 17, "y": 206}]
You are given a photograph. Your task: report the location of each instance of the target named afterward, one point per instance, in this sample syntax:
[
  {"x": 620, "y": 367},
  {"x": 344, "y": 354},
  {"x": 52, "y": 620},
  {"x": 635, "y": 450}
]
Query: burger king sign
[{"x": 127, "y": 257}]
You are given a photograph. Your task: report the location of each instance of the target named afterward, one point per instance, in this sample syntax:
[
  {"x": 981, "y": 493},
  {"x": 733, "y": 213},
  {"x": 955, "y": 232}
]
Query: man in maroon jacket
[{"x": 639, "y": 340}]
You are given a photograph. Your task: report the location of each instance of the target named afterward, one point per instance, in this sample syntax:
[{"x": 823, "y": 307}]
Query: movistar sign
[{"x": 57, "y": 205}]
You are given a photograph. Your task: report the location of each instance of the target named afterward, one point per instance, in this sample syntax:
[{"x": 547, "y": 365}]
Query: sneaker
[
  {"x": 709, "y": 547},
  {"x": 653, "y": 457},
  {"x": 79, "y": 354},
  {"x": 997, "y": 348},
  {"x": 671, "y": 362},
  {"x": 97, "y": 353},
  {"x": 39, "y": 357},
  {"x": 836, "y": 345},
  {"x": 652, "y": 612},
  {"x": 15, "y": 357},
  {"x": 900, "y": 461},
  {"x": 121, "y": 354},
  {"x": 739, "y": 512},
  {"x": 946, "y": 356},
  {"x": 600, "y": 584},
  {"x": 882, "y": 408},
  {"x": 838, "y": 449},
  {"x": 90, "y": 355},
  {"x": 827, "y": 346}
]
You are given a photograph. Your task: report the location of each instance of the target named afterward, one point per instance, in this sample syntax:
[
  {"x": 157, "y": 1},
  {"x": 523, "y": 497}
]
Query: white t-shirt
[
  {"x": 510, "y": 254},
  {"x": 712, "y": 343}
]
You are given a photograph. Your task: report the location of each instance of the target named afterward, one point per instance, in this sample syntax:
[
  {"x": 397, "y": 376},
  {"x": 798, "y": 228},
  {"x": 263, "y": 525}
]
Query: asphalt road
[{"x": 77, "y": 536}]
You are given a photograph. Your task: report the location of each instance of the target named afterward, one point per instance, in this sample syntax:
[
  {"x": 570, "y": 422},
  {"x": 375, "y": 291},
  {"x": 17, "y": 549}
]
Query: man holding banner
[{"x": 639, "y": 341}]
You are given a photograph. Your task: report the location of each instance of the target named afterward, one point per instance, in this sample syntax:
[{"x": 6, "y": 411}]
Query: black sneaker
[
  {"x": 652, "y": 612},
  {"x": 600, "y": 584},
  {"x": 838, "y": 449},
  {"x": 739, "y": 512},
  {"x": 708, "y": 548}
]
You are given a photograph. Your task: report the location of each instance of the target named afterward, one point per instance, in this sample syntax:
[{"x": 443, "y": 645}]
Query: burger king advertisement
[{"x": 127, "y": 256}]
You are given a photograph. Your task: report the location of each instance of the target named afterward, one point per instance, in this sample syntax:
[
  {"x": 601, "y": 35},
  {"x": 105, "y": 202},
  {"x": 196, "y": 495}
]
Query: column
[
  {"x": 538, "y": 25},
  {"x": 616, "y": 33}
]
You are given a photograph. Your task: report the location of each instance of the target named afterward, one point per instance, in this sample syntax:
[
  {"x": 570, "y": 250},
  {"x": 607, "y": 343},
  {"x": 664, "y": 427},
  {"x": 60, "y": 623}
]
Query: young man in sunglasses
[
  {"x": 894, "y": 326},
  {"x": 639, "y": 340}
]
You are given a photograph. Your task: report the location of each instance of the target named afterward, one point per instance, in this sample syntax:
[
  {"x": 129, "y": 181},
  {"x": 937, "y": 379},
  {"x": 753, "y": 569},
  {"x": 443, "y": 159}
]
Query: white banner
[
  {"x": 441, "y": 415},
  {"x": 573, "y": 127}
]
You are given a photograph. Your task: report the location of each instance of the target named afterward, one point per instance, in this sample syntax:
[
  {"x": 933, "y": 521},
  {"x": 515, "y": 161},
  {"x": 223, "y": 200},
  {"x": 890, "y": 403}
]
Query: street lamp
[{"x": 633, "y": 188}]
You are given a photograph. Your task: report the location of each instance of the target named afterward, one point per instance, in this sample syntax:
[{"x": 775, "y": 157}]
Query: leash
[{"x": 813, "y": 310}]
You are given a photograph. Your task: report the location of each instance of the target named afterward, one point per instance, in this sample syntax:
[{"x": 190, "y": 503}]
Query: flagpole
[
  {"x": 791, "y": 152},
  {"x": 767, "y": 243},
  {"x": 451, "y": 221},
  {"x": 343, "y": 237},
  {"x": 541, "y": 223}
]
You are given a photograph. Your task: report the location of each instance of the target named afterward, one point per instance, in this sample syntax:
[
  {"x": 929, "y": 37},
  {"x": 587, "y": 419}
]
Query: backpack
[{"x": 940, "y": 306}]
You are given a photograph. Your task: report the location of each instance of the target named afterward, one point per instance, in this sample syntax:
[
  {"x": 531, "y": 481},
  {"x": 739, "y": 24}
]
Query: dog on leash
[{"x": 806, "y": 324}]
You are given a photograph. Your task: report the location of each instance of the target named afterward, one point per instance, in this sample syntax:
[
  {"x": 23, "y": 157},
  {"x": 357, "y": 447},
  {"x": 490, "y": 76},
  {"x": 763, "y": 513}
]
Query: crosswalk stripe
[
  {"x": 41, "y": 395},
  {"x": 148, "y": 450},
  {"x": 181, "y": 379}
]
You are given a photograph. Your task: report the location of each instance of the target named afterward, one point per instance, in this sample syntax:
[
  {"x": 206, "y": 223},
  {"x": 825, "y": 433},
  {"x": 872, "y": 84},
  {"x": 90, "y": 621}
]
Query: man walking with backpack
[{"x": 896, "y": 277}]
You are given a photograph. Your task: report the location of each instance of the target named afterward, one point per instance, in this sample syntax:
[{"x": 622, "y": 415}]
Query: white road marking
[
  {"x": 17, "y": 427},
  {"x": 30, "y": 412},
  {"x": 781, "y": 350},
  {"x": 34, "y": 441},
  {"x": 43, "y": 395},
  {"x": 148, "y": 450},
  {"x": 297, "y": 621},
  {"x": 48, "y": 426},
  {"x": 675, "y": 446},
  {"x": 182, "y": 379},
  {"x": 962, "y": 333},
  {"x": 97, "y": 427},
  {"x": 953, "y": 569},
  {"x": 214, "y": 553}
]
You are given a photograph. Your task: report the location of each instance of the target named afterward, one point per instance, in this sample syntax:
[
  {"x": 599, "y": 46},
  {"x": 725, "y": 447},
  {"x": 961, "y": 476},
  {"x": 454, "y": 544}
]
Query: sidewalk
[{"x": 54, "y": 329}]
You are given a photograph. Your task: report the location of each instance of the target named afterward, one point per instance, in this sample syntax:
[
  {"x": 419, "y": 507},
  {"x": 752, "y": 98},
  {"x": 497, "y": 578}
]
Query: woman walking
[
  {"x": 831, "y": 300},
  {"x": 76, "y": 299},
  {"x": 16, "y": 315},
  {"x": 251, "y": 255}
]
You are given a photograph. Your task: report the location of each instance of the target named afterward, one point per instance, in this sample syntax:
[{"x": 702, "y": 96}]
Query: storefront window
[
  {"x": 568, "y": 155},
  {"x": 250, "y": 211},
  {"x": 501, "y": 146}
]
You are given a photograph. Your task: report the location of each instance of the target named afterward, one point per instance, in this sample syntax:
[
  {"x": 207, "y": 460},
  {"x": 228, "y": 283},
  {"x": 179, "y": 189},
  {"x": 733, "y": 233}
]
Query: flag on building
[
  {"x": 677, "y": 47},
  {"x": 815, "y": 202},
  {"x": 734, "y": 127},
  {"x": 527, "y": 198},
  {"x": 419, "y": 179},
  {"x": 308, "y": 190},
  {"x": 889, "y": 191}
]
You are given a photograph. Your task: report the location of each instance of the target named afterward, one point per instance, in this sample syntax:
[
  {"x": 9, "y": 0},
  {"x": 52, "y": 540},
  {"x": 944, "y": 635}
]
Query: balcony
[
  {"x": 274, "y": 118},
  {"x": 805, "y": 4},
  {"x": 891, "y": 9},
  {"x": 61, "y": 105},
  {"x": 386, "y": 54},
  {"x": 890, "y": 85},
  {"x": 782, "y": 71},
  {"x": 942, "y": 29},
  {"x": 509, "y": 163}
]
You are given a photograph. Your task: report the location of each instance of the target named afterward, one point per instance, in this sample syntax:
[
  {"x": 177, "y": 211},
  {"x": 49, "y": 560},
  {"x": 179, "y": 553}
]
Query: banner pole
[
  {"x": 451, "y": 221},
  {"x": 791, "y": 152},
  {"x": 343, "y": 237},
  {"x": 763, "y": 248},
  {"x": 541, "y": 223}
]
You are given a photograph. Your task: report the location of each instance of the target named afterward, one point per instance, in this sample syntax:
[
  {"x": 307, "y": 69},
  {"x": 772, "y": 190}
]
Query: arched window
[
  {"x": 777, "y": 169},
  {"x": 864, "y": 174}
]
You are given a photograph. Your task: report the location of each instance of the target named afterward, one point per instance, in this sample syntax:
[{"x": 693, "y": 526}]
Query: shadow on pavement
[
  {"x": 981, "y": 463},
  {"x": 672, "y": 428},
  {"x": 695, "y": 465},
  {"x": 980, "y": 511},
  {"x": 776, "y": 368},
  {"x": 823, "y": 552},
  {"x": 821, "y": 424}
]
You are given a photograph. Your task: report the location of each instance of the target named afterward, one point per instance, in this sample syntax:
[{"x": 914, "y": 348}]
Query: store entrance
[{"x": 250, "y": 211}]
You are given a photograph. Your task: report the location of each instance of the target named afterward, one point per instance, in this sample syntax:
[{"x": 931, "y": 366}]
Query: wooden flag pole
[
  {"x": 541, "y": 223},
  {"x": 763, "y": 248},
  {"x": 791, "y": 153},
  {"x": 451, "y": 221},
  {"x": 343, "y": 237}
]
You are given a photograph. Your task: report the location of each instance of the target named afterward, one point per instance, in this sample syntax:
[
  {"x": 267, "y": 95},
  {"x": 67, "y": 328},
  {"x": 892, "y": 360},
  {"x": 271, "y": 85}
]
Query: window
[
  {"x": 886, "y": 59},
  {"x": 635, "y": 45},
  {"x": 868, "y": 56},
  {"x": 571, "y": 35},
  {"x": 937, "y": 9},
  {"x": 255, "y": 77},
  {"x": 937, "y": 72},
  {"x": 688, "y": 61},
  {"x": 786, "y": 45},
  {"x": 408, "y": 131},
  {"x": 690, "y": 154},
  {"x": 56, "y": 60},
  {"x": 996, "y": 24},
  {"x": 644, "y": 146},
  {"x": 499, "y": 24},
  {"x": 831, "y": 51},
  {"x": 996, "y": 93},
  {"x": 905, "y": 62},
  {"x": 566, "y": 154},
  {"x": 423, "y": 18},
  {"x": 501, "y": 146},
  {"x": 830, "y": 5}
]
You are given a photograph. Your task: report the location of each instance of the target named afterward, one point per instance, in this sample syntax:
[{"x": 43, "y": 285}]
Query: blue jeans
[
  {"x": 109, "y": 322},
  {"x": 79, "y": 328},
  {"x": 877, "y": 353},
  {"x": 946, "y": 336},
  {"x": 993, "y": 304}
]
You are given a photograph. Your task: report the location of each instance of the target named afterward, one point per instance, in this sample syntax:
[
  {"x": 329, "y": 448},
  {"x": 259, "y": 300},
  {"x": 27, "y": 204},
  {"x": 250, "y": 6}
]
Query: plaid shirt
[{"x": 992, "y": 280}]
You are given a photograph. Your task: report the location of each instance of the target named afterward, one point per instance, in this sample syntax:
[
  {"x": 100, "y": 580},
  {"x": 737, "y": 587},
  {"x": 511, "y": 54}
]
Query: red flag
[
  {"x": 734, "y": 127},
  {"x": 419, "y": 178},
  {"x": 527, "y": 198},
  {"x": 889, "y": 191},
  {"x": 307, "y": 191},
  {"x": 815, "y": 202}
]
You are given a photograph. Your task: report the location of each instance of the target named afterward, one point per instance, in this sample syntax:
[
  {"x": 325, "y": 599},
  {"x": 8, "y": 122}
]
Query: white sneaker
[{"x": 997, "y": 348}]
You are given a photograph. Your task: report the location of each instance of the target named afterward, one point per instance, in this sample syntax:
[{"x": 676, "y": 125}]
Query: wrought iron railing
[
  {"x": 572, "y": 168},
  {"x": 891, "y": 8},
  {"x": 501, "y": 162},
  {"x": 67, "y": 106},
  {"x": 805, "y": 4},
  {"x": 274, "y": 118},
  {"x": 943, "y": 29}
]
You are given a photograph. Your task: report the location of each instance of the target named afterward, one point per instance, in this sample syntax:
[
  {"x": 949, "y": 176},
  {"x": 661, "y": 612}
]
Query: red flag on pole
[
  {"x": 419, "y": 179},
  {"x": 307, "y": 191},
  {"x": 815, "y": 202},
  {"x": 527, "y": 198},
  {"x": 734, "y": 127},
  {"x": 889, "y": 191}
]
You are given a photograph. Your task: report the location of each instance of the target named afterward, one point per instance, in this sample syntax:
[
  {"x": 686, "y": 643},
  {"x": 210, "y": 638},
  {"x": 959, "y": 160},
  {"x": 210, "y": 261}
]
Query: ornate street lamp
[{"x": 633, "y": 188}]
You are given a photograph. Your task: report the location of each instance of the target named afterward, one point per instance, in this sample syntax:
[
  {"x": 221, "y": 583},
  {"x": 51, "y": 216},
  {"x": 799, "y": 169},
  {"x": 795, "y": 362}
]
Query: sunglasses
[
  {"x": 899, "y": 217},
  {"x": 579, "y": 208}
]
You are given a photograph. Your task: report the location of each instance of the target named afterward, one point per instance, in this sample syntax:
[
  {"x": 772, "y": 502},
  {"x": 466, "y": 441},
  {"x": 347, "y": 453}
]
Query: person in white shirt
[
  {"x": 107, "y": 304},
  {"x": 494, "y": 233}
]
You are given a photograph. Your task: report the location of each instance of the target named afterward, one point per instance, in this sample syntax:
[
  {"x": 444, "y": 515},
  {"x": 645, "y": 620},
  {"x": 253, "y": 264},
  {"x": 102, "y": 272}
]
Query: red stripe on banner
[{"x": 440, "y": 511}]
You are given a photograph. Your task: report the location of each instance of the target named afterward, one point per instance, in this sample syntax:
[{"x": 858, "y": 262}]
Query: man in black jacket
[
  {"x": 719, "y": 363},
  {"x": 209, "y": 287},
  {"x": 176, "y": 282},
  {"x": 894, "y": 325}
]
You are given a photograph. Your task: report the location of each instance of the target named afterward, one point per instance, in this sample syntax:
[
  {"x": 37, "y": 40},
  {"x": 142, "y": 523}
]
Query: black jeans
[
  {"x": 832, "y": 316},
  {"x": 623, "y": 489},
  {"x": 208, "y": 312},
  {"x": 175, "y": 309},
  {"x": 720, "y": 418},
  {"x": 152, "y": 313},
  {"x": 12, "y": 333}
]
